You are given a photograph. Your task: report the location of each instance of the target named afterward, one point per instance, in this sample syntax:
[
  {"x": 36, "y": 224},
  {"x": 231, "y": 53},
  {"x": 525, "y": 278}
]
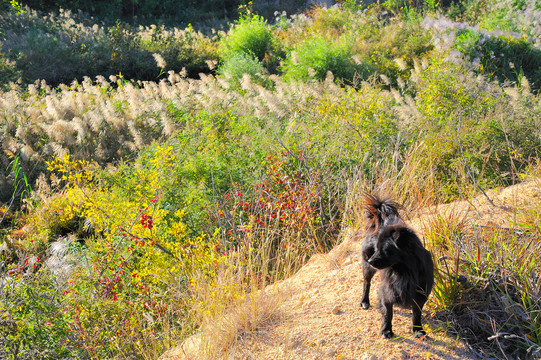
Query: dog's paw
[
  {"x": 365, "y": 305},
  {"x": 420, "y": 333},
  {"x": 387, "y": 334}
]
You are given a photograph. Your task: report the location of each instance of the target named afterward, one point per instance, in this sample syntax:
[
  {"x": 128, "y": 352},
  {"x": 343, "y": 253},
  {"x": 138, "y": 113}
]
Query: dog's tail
[{"x": 378, "y": 210}]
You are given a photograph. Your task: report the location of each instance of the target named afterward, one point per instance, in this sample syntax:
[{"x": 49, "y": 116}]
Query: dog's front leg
[
  {"x": 417, "y": 310},
  {"x": 368, "y": 273},
  {"x": 387, "y": 320}
]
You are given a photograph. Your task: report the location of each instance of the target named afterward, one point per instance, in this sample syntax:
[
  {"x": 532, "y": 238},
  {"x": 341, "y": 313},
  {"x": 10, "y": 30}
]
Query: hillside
[
  {"x": 319, "y": 317},
  {"x": 159, "y": 176}
]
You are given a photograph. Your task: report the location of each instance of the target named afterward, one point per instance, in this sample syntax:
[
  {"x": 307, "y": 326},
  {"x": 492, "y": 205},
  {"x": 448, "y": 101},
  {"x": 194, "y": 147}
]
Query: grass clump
[
  {"x": 484, "y": 284},
  {"x": 61, "y": 47}
]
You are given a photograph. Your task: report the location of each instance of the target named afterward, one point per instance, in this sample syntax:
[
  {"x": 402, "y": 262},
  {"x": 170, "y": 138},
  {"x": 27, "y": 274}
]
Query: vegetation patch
[{"x": 156, "y": 178}]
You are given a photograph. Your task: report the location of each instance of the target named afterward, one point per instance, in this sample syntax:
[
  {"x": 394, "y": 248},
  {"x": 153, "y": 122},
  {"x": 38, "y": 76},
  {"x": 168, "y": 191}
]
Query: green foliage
[
  {"x": 502, "y": 58},
  {"x": 250, "y": 35},
  {"x": 498, "y": 20},
  {"x": 334, "y": 21},
  {"x": 484, "y": 268},
  {"x": 142, "y": 10},
  {"x": 181, "y": 49},
  {"x": 469, "y": 137},
  {"x": 34, "y": 322},
  {"x": 61, "y": 48},
  {"x": 238, "y": 64},
  {"x": 316, "y": 56},
  {"x": 117, "y": 296},
  {"x": 249, "y": 48},
  {"x": 393, "y": 48},
  {"x": 367, "y": 123}
]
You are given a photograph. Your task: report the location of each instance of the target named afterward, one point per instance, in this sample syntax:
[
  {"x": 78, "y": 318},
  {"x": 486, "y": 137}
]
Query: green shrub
[
  {"x": 238, "y": 64},
  {"x": 61, "y": 47},
  {"x": 469, "y": 132},
  {"x": 251, "y": 35},
  {"x": 34, "y": 321},
  {"x": 8, "y": 71},
  {"x": 331, "y": 22},
  {"x": 316, "y": 56},
  {"x": 387, "y": 45},
  {"x": 181, "y": 48},
  {"x": 502, "y": 58}
]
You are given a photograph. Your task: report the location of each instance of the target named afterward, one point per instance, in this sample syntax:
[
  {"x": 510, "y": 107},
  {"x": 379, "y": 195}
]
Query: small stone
[
  {"x": 369, "y": 357},
  {"x": 336, "y": 310},
  {"x": 404, "y": 354},
  {"x": 331, "y": 352}
]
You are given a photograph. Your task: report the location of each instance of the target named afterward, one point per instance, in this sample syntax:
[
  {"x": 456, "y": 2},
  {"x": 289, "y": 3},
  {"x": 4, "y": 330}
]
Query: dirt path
[
  {"x": 323, "y": 319},
  {"x": 320, "y": 316}
]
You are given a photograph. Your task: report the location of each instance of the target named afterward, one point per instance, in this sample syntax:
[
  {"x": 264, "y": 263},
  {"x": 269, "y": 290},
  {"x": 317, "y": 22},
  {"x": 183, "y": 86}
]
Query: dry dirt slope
[{"x": 319, "y": 316}]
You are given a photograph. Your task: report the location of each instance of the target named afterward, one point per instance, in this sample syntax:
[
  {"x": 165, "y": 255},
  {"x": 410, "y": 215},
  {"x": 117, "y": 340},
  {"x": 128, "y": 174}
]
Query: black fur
[{"x": 407, "y": 269}]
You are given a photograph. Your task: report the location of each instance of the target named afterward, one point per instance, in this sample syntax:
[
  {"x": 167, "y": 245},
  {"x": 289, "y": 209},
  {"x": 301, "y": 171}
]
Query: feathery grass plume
[
  {"x": 160, "y": 62},
  {"x": 401, "y": 63},
  {"x": 59, "y": 262}
]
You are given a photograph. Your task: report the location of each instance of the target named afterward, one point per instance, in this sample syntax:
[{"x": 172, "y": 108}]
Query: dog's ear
[
  {"x": 401, "y": 236},
  {"x": 396, "y": 235}
]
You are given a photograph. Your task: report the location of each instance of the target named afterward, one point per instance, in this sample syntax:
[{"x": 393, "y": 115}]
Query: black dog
[{"x": 407, "y": 269}]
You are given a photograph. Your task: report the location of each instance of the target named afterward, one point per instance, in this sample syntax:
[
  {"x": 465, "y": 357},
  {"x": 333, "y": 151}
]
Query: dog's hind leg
[{"x": 368, "y": 272}]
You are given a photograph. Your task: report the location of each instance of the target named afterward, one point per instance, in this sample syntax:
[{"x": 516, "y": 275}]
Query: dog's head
[{"x": 389, "y": 247}]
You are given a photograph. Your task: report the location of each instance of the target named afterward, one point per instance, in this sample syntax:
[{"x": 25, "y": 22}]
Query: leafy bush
[
  {"x": 238, "y": 64},
  {"x": 316, "y": 56},
  {"x": 181, "y": 49},
  {"x": 34, "y": 321},
  {"x": 250, "y": 35},
  {"x": 117, "y": 296},
  {"x": 503, "y": 58},
  {"x": 143, "y": 10},
  {"x": 469, "y": 134},
  {"x": 250, "y": 43},
  {"x": 393, "y": 48},
  {"x": 8, "y": 72},
  {"x": 61, "y": 48},
  {"x": 332, "y": 22}
]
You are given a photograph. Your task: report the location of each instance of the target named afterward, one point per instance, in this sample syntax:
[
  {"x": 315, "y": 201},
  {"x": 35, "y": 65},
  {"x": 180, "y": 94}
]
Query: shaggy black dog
[{"x": 407, "y": 269}]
